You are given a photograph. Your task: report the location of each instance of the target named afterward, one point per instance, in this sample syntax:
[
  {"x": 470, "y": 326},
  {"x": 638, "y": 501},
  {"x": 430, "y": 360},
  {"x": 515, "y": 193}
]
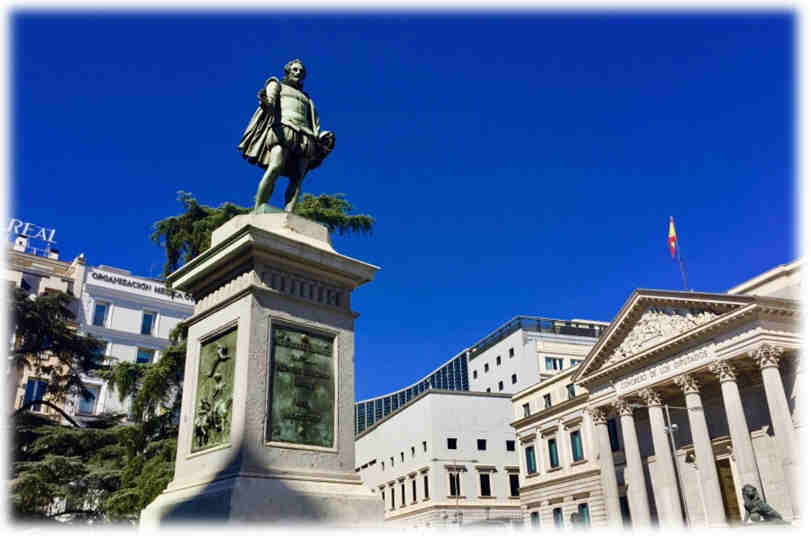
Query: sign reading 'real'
[{"x": 30, "y": 230}]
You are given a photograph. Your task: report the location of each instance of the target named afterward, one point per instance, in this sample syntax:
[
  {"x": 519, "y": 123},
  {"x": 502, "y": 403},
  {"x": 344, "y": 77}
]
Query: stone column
[
  {"x": 738, "y": 427},
  {"x": 668, "y": 503},
  {"x": 767, "y": 358},
  {"x": 608, "y": 473},
  {"x": 705, "y": 459},
  {"x": 637, "y": 494}
]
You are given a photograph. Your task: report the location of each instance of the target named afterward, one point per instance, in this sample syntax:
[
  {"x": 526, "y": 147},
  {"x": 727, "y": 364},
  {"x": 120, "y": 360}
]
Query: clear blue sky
[{"x": 521, "y": 163}]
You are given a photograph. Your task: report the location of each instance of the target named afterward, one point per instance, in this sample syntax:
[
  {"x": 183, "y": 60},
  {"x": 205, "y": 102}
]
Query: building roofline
[
  {"x": 765, "y": 277},
  {"x": 421, "y": 380},
  {"x": 444, "y": 392}
]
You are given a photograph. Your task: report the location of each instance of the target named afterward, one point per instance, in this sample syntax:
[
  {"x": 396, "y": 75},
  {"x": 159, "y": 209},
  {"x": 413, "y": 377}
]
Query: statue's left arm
[{"x": 325, "y": 137}]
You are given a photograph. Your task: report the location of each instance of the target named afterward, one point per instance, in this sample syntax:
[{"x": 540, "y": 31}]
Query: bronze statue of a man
[{"x": 284, "y": 136}]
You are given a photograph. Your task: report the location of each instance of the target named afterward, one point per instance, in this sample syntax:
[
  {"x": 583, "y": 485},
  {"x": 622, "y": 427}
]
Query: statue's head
[
  {"x": 749, "y": 491},
  {"x": 295, "y": 71}
]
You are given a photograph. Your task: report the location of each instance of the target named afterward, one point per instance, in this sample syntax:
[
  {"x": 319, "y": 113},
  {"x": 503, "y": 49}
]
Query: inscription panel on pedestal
[
  {"x": 215, "y": 391},
  {"x": 302, "y": 392}
]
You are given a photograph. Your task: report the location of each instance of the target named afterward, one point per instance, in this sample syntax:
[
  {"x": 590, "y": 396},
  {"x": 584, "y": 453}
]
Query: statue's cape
[{"x": 253, "y": 145}]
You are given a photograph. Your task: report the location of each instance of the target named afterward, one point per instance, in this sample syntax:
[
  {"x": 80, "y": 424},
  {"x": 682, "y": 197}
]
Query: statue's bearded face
[{"x": 296, "y": 72}]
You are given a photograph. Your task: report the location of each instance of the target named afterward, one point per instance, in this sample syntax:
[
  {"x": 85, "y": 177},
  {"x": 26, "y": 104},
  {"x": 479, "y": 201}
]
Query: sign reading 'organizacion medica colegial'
[{"x": 131, "y": 283}]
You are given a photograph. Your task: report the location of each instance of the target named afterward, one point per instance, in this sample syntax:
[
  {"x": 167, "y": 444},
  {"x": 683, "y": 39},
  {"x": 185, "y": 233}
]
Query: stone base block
[{"x": 276, "y": 501}]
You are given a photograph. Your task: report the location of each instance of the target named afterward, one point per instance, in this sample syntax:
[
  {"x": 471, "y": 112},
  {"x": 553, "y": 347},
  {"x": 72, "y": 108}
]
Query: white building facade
[
  {"x": 526, "y": 349},
  {"x": 134, "y": 317},
  {"x": 444, "y": 458},
  {"x": 686, "y": 398}
]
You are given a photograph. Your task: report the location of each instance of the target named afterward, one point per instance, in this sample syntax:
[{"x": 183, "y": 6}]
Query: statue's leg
[
  {"x": 275, "y": 165},
  {"x": 294, "y": 188}
]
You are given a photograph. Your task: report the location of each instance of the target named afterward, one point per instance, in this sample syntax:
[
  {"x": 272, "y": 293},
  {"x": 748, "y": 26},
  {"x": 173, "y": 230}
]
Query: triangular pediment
[{"x": 651, "y": 319}]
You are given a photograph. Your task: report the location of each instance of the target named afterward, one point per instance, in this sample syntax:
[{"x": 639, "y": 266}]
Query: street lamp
[
  {"x": 455, "y": 473},
  {"x": 670, "y": 428}
]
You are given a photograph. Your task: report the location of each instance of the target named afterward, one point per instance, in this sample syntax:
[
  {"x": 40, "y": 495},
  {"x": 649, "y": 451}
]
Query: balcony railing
[{"x": 538, "y": 325}]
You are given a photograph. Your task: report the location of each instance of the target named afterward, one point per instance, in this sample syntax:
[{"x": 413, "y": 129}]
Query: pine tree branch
[{"x": 25, "y": 407}]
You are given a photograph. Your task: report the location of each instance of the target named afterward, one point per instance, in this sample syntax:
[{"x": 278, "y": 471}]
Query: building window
[
  {"x": 570, "y": 390},
  {"x": 413, "y": 452},
  {"x": 392, "y": 498},
  {"x": 577, "y": 446},
  {"x": 547, "y": 401},
  {"x": 498, "y": 360},
  {"x": 557, "y": 517},
  {"x": 101, "y": 351},
  {"x": 391, "y": 460},
  {"x": 514, "y": 491},
  {"x": 535, "y": 520},
  {"x": 484, "y": 482},
  {"x": 425, "y": 485},
  {"x": 402, "y": 457},
  {"x": 481, "y": 444},
  {"x": 553, "y": 453},
  {"x": 383, "y": 494},
  {"x": 88, "y": 407},
  {"x": 100, "y": 314},
  {"x": 451, "y": 443},
  {"x": 487, "y": 390},
  {"x": 454, "y": 481},
  {"x": 583, "y": 510},
  {"x": 510, "y": 445},
  {"x": 525, "y": 407},
  {"x": 34, "y": 390},
  {"x": 382, "y": 466},
  {"x": 425, "y": 446},
  {"x": 144, "y": 355},
  {"x": 413, "y": 490},
  {"x": 475, "y": 374},
  {"x": 512, "y": 352},
  {"x": 486, "y": 367},
  {"x": 147, "y": 323},
  {"x": 613, "y": 438},
  {"x": 514, "y": 378},
  {"x": 530, "y": 455},
  {"x": 402, "y": 494},
  {"x": 500, "y": 386},
  {"x": 575, "y": 362},
  {"x": 554, "y": 363}
]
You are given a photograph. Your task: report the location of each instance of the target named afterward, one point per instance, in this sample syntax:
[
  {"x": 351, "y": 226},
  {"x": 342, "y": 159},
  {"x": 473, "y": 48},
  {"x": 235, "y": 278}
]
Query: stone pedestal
[{"x": 266, "y": 425}]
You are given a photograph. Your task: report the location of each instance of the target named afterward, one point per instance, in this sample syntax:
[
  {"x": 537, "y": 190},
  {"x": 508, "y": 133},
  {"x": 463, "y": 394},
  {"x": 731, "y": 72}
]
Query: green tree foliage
[
  {"x": 64, "y": 473},
  {"x": 188, "y": 234},
  {"x": 57, "y": 468},
  {"x": 48, "y": 345}
]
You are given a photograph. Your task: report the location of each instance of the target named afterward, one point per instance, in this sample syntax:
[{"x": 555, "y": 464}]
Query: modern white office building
[
  {"x": 513, "y": 356},
  {"x": 442, "y": 459},
  {"x": 527, "y": 348},
  {"x": 450, "y": 376}
]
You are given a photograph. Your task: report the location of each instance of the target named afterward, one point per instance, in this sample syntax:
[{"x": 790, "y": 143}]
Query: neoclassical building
[{"x": 685, "y": 398}]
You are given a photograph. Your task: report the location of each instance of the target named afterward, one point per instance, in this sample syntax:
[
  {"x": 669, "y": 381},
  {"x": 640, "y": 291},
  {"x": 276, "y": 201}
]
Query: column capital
[
  {"x": 723, "y": 370},
  {"x": 767, "y": 355},
  {"x": 650, "y": 396},
  {"x": 599, "y": 415},
  {"x": 687, "y": 383},
  {"x": 624, "y": 407}
]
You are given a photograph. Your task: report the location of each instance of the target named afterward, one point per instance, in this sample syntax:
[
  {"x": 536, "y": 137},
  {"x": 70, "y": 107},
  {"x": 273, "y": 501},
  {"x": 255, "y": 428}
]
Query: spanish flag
[{"x": 671, "y": 238}]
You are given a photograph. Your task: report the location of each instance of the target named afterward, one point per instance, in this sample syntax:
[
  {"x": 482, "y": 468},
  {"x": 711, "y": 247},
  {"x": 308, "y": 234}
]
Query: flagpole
[
  {"x": 675, "y": 242},
  {"x": 681, "y": 265}
]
